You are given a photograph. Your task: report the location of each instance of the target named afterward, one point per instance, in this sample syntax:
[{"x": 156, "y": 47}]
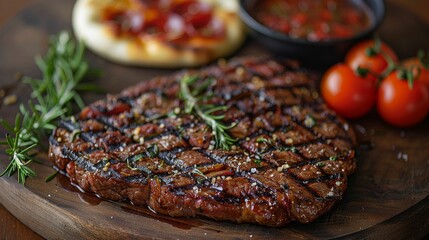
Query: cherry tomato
[
  {"x": 400, "y": 105},
  {"x": 358, "y": 56},
  {"x": 420, "y": 72},
  {"x": 345, "y": 92}
]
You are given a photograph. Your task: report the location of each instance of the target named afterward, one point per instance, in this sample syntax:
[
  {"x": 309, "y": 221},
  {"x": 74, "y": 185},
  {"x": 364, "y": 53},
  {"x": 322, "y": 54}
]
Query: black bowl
[{"x": 319, "y": 54}]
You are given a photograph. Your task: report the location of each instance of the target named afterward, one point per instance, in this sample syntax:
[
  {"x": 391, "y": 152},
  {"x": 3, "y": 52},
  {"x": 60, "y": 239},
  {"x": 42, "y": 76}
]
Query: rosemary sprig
[
  {"x": 265, "y": 140},
  {"x": 63, "y": 70},
  {"x": 201, "y": 175},
  {"x": 152, "y": 150},
  {"x": 20, "y": 144},
  {"x": 193, "y": 97},
  {"x": 53, "y": 96},
  {"x": 198, "y": 172}
]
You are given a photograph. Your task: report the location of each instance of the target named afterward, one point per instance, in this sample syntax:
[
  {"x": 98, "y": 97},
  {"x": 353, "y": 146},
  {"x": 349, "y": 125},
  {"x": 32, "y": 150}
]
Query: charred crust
[{"x": 290, "y": 163}]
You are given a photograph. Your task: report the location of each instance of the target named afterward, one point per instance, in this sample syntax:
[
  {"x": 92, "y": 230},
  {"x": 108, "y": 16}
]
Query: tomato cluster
[{"x": 372, "y": 76}]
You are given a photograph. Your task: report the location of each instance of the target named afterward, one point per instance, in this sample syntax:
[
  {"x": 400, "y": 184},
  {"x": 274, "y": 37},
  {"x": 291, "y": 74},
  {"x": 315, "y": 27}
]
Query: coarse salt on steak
[{"x": 290, "y": 161}]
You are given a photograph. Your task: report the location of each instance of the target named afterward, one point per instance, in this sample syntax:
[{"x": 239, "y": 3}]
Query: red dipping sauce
[{"x": 314, "y": 20}]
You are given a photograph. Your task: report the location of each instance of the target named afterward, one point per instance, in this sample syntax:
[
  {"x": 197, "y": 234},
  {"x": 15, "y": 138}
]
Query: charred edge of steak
[{"x": 290, "y": 162}]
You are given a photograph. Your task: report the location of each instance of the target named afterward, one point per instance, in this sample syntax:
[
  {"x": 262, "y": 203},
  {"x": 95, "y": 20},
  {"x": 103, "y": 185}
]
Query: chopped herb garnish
[
  {"x": 130, "y": 167},
  {"x": 200, "y": 174},
  {"x": 180, "y": 131},
  {"x": 290, "y": 149},
  {"x": 264, "y": 140},
  {"x": 320, "y": 164},
  {"x": 159, "y": 179},
  {"x": 333, "y": 158},
  {"x": 153, "y": 150},
  {"x": 76, "y": 133},
  {"x": 135, "y": 158},
  {"x": 309, "y": 121},
  {"x": 161, "y": 164},
  {"x": 157, "y": 117}
]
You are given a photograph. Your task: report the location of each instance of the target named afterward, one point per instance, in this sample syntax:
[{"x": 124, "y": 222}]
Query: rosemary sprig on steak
[
  {"x": 53, "y": 96},
  {"x": 192, "y": 99}
]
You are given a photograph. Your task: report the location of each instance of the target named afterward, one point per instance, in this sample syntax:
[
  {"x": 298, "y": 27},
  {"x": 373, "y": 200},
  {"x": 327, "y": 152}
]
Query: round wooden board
[{"x": 388, "y": 196}]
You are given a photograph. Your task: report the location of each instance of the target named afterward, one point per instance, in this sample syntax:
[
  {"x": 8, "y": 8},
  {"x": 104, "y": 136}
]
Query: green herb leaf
[
  {"x": 53, "y": 96},
  {"x": 309, "y": 121},
  {"x": 153, "y": 150},
  {"x": 290, "y": 149},
  {"x": 320, "y": 164},
  {"x": 264, "y": 140},
  {"x": 201, "y": 175},
  {"x": 50, "y": 177},
  {"x": 193, "y": 97}
]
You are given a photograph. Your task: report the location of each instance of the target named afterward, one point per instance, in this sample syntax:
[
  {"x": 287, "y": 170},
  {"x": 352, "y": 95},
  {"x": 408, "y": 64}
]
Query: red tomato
[
  {"x": 358, "y": 57},
  {"x": 348, "y": 94},
  {"x": 399, "y": 105},
  {"x": 420, "y": 72}
]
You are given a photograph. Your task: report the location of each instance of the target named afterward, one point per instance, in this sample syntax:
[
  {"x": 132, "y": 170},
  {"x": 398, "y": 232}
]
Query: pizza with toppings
[{"x": 159, "y": 33}]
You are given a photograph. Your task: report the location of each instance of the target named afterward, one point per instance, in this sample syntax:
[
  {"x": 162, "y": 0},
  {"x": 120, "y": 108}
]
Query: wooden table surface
[{"x": 12, "y": 228}]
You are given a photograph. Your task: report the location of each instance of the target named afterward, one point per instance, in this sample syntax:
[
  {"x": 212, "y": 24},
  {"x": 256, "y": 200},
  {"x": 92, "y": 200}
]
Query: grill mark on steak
[{"x": 296, "y": 174}]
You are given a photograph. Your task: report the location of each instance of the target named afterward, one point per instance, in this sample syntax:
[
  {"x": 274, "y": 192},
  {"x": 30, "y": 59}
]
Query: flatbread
[{"x": 151, "y": 49}]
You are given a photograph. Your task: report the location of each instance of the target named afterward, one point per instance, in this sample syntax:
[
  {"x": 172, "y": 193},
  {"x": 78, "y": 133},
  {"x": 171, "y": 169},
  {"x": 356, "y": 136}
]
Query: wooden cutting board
[{"x": 388, "y": 196}]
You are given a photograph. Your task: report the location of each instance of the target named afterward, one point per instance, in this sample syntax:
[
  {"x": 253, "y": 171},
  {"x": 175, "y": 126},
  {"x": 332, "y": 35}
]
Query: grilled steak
[{"x": 290, "y": 161}]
